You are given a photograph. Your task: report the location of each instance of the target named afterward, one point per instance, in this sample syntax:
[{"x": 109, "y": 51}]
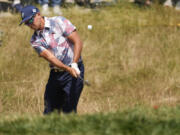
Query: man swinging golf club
[{"x": 56, "y": 40}]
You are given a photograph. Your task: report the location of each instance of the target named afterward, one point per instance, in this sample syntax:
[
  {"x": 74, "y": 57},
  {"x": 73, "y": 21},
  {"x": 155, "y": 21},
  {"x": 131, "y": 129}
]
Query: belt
[{"x": 57, "y": 70}]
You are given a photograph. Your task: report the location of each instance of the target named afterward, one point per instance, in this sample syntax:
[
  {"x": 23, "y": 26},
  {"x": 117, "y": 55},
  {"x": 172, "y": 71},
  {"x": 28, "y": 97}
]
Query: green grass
[
  {"x": 131, "y": 58},
  {"x": 138, "y": 121}
]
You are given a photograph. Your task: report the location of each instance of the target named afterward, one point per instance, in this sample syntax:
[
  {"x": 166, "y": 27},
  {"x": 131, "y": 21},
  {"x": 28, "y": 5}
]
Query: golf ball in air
[{"x": 89, "y": 27}]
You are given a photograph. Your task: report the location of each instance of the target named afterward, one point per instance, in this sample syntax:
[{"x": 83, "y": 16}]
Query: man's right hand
[{"x": 73, "y": 72}]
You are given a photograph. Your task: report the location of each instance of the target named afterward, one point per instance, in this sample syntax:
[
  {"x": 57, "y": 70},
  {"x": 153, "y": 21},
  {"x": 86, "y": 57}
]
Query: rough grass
[
  {"x": 137, "y": 121},
  {"x": 131, "y": 57}
]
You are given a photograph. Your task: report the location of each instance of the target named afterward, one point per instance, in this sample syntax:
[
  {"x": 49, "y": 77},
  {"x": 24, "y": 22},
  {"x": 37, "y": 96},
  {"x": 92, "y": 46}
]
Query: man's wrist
[
  {"x": 74, "y": 64},
  {"x": 66, "y": 68}
]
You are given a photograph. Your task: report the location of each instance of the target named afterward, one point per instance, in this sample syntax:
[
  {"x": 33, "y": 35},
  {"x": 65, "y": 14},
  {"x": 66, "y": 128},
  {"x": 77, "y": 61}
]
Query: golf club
[{"x": 86, "y": 82}]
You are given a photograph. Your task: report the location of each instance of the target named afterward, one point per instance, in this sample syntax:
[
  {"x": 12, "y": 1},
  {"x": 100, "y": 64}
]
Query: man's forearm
[
  {"x": 53, "y": 60},
  {"x": 77, "y": 51},
  {"x": 75, "y": 39},
  {"x": 58, "y": 64}
]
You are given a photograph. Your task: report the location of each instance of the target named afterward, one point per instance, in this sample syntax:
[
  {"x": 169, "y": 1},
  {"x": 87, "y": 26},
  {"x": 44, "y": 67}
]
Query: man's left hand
[{"x": 75, "y": 66}]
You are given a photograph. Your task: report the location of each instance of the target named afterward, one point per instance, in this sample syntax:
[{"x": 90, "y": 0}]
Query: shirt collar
[{"x": 46, "y": 25}]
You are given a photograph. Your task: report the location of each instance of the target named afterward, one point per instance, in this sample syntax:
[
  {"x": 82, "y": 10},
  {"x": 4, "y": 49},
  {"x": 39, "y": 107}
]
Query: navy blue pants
[{"x": 63, "y": 91}]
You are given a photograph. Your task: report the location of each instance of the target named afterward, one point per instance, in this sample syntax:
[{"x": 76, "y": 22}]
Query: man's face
[{"x": 35, "y": 22}]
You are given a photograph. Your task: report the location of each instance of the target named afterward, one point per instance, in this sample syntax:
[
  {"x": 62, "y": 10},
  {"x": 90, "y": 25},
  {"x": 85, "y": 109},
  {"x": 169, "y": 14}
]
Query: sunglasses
[{"x": 30, "y": 21}]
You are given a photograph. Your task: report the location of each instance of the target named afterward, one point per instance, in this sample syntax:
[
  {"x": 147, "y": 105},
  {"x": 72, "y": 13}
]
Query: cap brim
[{"x": 25, "y": 19}]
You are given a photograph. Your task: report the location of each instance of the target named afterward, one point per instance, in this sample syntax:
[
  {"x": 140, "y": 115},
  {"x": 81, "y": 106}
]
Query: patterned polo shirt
[{"x": 54, "y": 38}]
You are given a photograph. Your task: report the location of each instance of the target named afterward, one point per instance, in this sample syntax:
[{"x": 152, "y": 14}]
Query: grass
[
  {"x": 137, "y": 121},
  {"x": 131, "y": 57}
]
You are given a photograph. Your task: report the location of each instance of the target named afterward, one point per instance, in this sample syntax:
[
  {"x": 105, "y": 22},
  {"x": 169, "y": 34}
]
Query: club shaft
[{"x": 84, "y": 81}]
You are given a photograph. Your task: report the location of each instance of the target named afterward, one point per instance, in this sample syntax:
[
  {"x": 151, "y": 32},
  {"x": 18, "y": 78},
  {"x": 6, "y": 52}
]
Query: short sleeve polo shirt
[{"x": 54, "y": 38}]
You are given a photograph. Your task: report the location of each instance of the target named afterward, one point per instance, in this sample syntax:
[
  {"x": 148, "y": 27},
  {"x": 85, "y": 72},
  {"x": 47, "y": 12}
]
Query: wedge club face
[{"x": 86, "y": 82}]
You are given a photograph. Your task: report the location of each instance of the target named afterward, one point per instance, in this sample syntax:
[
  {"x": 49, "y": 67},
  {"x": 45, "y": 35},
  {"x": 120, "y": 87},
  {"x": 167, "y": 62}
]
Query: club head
[{"x": 86, "y": 82}]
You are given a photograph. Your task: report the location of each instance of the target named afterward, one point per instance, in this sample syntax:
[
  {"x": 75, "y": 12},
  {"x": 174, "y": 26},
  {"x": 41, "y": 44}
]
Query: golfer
[{"x": 56, "y": 40}]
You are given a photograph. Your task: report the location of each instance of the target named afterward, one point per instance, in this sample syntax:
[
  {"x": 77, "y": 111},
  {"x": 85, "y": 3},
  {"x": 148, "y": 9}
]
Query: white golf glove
[{"x": 75, "y": 66}]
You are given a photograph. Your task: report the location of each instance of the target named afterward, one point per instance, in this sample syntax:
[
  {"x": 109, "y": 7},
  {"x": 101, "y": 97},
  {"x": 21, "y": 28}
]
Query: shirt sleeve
[
  {"x": 66, "y": 26},
  {"x": 37, "y": 45}
]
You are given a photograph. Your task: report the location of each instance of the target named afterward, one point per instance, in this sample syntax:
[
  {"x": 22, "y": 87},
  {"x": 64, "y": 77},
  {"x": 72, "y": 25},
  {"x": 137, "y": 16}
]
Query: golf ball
[{"x": 89, "y": 27}]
